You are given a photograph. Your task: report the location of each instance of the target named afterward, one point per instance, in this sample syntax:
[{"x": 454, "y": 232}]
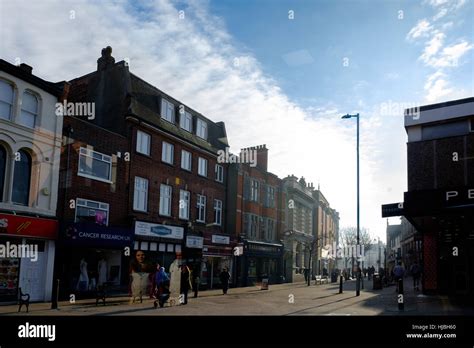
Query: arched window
[
  {"x": 29, "y": 109},
  {"x": 21, "y": 178},
  {"x": 3, "y": 167},
  {"x": 6, "y": 100}
]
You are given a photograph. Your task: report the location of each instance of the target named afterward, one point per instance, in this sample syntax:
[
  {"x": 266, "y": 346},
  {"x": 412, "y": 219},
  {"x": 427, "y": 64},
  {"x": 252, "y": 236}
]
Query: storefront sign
[
  {"x": 157, "y": 230},
  {"x": 194, "y": 242},
  {"x": 220, "y": 239},
  {"x": 95, "y": 236},
  {"x": 264, "y": 248},
  {"x": 28, "y": 226}
]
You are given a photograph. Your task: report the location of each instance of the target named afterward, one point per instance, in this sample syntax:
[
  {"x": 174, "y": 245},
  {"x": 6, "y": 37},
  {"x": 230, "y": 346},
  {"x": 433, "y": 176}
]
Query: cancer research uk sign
[{"x": 157, "y": 230}]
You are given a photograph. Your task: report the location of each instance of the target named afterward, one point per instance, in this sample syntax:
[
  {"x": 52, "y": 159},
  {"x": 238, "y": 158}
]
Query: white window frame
[
  {"x": 186, "y": 121},
  {"x": 167, "y": 110},
  {"x": 190, "y": 161},
  {"x": 165, "y": 196},
  {"x": 184, "y": 197},
  {"x": 81, "y": 202},
  {"x": 10, "y": 103},
  {"x": 35, "y": 114},
  {"x": 201, "y": 208},
  {"x": 83, "y": 151},
  {"x": 167, "y": 153},
  {"x": 140, "y": 195},
  {"x": 217, "y": 212},
  {"x": 202, "y": 165},
  {"x": 201, "y": 128},
  {"x": 219, "y": 170},
  {"x": 254, "y": 190},
  {"x": 143, "y": 143}
]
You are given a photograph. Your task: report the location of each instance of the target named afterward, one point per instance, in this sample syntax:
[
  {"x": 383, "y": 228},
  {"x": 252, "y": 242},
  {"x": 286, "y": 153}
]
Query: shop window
[
  {"x": 162, "y": 247},
  {"x": 136, "y": 245},
  {"x": 177, "y": 248},
  {"x": 29, "y": 110},
  {"x": 170, "y": 248},
  {"x": 22, "y": 178},
  {"x": 3, "y": 167},
  {"x": 144, "y": 246},
  {"x": 92, "y": 211},
  {"x": 153, "y": 246},
  {"x": 6, "y": 100},
  {"x": 95, "y": 165}
]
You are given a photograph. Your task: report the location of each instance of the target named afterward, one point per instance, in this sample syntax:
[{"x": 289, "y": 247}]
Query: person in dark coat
[
  {"x": 196, "y": 281},
  {"x": 224, "y": 277},
  {"x": 185, "y": 283}
]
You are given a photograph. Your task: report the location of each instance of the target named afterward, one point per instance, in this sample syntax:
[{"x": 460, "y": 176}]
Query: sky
[{"x": 280, "y": 73}]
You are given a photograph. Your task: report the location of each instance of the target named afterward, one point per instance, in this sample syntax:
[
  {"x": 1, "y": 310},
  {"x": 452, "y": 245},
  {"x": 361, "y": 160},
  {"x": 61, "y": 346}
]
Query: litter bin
[
  {"x": 377, "y": 281},
  {"x": 333, "y": 277},
  {"x": 264, "y": 284}
]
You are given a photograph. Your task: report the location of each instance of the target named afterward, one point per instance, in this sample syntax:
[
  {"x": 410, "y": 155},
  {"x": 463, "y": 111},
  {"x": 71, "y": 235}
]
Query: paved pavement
[{"x": 282, "y": 299}]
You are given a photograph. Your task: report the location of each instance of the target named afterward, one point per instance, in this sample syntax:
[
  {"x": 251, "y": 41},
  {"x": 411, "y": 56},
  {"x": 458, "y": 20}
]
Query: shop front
[
  {"x": 193, "y": 254},
  {"x": 261, "y": 260},
  {"x": 27, "y": 251},
  {"x": 93, "y": 256},
  {"x": 217, "y": 255},
  {"x": 445, "y": 219},
  {"x": 160, "y": 243}
]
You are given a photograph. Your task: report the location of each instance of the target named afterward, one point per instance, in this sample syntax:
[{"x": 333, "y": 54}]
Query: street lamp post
[{"x": 358, "y": 200}]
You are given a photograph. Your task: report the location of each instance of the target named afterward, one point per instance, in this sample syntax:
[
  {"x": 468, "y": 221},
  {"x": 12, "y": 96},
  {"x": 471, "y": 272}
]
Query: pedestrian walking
[
  {"x": 415, "y": 271},
  {"x": 161, "y": 293},
  {"x": 224, "y": 277},
  {"x": 398, "y": 273},
  {"x": 185, "y": 284}
]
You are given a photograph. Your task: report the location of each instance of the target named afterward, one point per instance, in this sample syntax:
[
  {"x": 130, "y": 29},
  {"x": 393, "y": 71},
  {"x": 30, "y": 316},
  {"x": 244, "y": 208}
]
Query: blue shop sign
[{"x": 97, "y": 236}]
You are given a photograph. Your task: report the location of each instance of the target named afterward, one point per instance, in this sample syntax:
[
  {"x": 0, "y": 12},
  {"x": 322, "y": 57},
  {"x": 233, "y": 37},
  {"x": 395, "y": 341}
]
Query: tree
[{"x": 348, "y": 239}]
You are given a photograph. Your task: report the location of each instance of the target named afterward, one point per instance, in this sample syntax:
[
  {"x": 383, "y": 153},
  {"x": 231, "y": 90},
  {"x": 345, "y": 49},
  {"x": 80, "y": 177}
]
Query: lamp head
[{"x": 346, "y": 116}]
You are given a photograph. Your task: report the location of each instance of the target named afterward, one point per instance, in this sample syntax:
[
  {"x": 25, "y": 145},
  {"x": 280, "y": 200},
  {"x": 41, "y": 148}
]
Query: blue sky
[{"x": 274, "y": 80}]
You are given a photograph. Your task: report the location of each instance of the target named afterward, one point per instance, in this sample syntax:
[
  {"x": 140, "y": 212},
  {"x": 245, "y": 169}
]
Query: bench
[
  {"x": 23, "y": 299},
  {"x": 321, "y": 280}
]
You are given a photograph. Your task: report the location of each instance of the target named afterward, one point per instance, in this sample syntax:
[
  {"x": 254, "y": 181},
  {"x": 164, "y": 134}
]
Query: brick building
[
  {"x": 440, "y": 196},
  {"x": 169, "y": 193},
  {"x": 255, "y": 213}
]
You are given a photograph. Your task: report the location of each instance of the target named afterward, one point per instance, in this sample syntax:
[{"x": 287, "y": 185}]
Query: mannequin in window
[
  {"x": 102, "y": 271},
  {"x": 83, "y": 283}
]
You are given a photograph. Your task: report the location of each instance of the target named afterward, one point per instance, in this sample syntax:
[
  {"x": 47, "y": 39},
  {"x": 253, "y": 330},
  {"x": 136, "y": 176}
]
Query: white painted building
[{"x": 30, "y": 143}]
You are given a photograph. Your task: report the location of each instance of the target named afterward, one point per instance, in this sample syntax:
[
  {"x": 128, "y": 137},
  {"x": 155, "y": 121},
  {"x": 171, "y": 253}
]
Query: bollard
[
  {"x": 340, "y": 284},
  {"x": 357, "y": 284},
  {"x": 400, "y": 298}
]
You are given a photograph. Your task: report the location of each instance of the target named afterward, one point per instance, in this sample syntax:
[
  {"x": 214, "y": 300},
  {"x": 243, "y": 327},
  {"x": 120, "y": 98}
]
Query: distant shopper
[
  {"x": 224, "y": 276},
  {"x": 415, "y": 271},
  {"x": 398, "y": 273},
  {"x": 185, "y": 283}
]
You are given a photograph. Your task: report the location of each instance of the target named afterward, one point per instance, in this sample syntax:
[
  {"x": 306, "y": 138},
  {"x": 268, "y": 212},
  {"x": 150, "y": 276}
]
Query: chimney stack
[
  {"x": 262, "y": 157},
  {"x": 26, "y": 68}
]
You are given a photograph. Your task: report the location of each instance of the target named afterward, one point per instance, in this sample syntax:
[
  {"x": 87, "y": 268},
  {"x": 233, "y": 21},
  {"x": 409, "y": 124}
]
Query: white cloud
[
  {"x": 432, "y": 47},
  {"x": 449, "y": 56},
  {"x": 421, "y": 29},
  {"x": 440, "y": 14},
  {"x": 193, "y": 59}
]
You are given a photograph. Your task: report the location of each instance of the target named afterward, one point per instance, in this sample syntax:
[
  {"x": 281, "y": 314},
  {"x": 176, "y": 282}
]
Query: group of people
[
  {"x": 399, "y": 272},
  {"x": 181, "y": 278}
]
